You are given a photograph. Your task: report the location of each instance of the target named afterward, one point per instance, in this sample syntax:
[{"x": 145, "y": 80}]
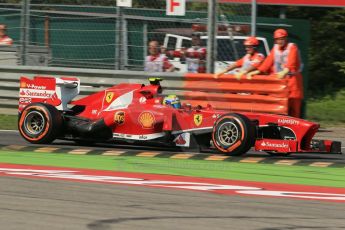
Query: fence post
[
  {"x": 25, "y": 30},
  {"x": 254, "y": 14},
  {"x": 211, "y": 34},
  {"x": 46, "y": 31},
  {"x": 145, "y": 40},
  {"x": 124, "y": 46},
  {"x": 118, "y": 39}
]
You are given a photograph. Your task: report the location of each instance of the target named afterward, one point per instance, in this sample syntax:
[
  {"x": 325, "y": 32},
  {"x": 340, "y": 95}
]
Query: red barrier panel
[{"x": 265, "y": 94}]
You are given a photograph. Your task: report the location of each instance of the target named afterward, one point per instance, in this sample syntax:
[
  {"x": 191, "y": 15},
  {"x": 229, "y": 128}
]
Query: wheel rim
[
  {"x": 228, "y": 133},
  {"x": 34, "y": 123}
]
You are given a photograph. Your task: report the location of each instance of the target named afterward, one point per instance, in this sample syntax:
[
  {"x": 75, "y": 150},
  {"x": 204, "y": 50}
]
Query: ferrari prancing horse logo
[
  {"x": 109, "y": 97},
  {"x": 197, "y": 119}
]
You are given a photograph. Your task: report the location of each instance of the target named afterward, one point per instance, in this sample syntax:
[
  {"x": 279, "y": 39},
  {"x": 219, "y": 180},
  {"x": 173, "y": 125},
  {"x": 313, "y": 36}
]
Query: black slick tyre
[
  {"x": 233, "y": 134},
  {"x": 40, "y": 123}
]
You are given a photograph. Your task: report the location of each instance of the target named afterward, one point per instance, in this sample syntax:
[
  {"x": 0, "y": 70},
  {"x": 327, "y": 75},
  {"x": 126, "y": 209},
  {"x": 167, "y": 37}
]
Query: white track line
[{"x": 9, "y": 131}]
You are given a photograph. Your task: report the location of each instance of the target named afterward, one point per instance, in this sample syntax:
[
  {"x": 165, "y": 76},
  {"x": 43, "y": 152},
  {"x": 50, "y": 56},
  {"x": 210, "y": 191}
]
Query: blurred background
[{"x": 99, "y": 35}]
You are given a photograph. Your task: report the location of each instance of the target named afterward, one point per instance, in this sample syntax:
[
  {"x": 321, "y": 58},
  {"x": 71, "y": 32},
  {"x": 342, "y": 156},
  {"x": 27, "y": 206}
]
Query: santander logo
[
  {"x": 33, "y": 93},
  {"x": 274, "y": 145},
  {"x": 180, "y": 140}
]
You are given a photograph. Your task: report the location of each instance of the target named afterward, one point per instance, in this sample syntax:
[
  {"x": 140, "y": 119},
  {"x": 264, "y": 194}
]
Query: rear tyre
[
  {"x": 233, "y": 134},
  {"x": 40, "y": 123}
]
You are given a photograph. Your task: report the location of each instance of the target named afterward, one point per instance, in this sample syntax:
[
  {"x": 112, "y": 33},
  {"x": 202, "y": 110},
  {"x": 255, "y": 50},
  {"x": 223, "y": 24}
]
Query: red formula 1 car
[{"x": 139, "y": 113}]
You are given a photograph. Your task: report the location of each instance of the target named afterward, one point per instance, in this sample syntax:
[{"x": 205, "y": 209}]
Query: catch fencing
[{"x": 97, "y": 34}]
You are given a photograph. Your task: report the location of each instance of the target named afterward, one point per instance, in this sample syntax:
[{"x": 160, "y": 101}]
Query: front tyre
[
  {"x": 233, "y": 134},
  {"x": 40, "y": 123}
]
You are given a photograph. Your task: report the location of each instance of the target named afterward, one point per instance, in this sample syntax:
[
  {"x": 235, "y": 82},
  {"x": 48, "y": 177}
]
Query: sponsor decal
[
  {"x": 197, "y": 119},
  {"x": 147, "y": 120},
  {"x": 142, "y": 137},
  {"x": 109, "y": 97},
  {"x": 94, "y": 111},
  {"x": 35, "y": 93},
  {"x": 217, "y": 186},
  {"x": 215, "y": 116},
  {"x": 179, "y": 140},
  {"x": 22, "y": 84},
  {"x": 32, "y": 86},
  {"x": 25, "y": 100},
  {"x": 182, "y": 139},
  {"x": 274, "y": 145},
  {"x": 142, "y": 100},
  {"x": 288, "y": 122},
  {"x": 120, "y": 135},
  {"x": 119, "y": 117},
  {"x": 139, "y": 137}
]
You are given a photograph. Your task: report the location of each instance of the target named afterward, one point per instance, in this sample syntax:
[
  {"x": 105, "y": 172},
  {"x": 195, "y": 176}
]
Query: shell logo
[{"x": 146, "y": 120}]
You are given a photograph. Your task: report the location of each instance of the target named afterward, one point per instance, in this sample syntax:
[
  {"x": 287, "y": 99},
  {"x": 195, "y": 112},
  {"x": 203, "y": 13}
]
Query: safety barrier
[
  {"x": 261, "y": 94},
  {"x": 265, "y": 94}
]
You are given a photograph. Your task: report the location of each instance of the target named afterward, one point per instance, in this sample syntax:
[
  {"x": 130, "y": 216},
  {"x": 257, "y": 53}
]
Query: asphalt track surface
[
  {"x": 45, "y": 204},
  {"x": 14, "y": 138}
]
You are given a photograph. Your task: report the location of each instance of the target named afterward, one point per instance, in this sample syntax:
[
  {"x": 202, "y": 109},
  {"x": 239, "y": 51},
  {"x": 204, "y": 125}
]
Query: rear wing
[{"x": 55, "y": 91}]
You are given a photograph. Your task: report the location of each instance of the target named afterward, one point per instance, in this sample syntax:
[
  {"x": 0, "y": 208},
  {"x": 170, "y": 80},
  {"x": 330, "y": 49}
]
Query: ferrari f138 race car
[{"x": 138, "y": 113}]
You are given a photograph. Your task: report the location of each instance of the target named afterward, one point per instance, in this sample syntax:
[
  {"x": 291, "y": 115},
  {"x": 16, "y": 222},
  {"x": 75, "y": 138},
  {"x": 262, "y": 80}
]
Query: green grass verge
[
  {"x": 328, "y": 110},
  {"x": 8, "y": 121},
  {"x": 332, "y": 177}
]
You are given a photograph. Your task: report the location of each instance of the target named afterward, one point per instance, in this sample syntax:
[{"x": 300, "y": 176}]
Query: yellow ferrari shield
[
  {"x": 197, "y": 119},
  {"x": 109, "y": 97}
]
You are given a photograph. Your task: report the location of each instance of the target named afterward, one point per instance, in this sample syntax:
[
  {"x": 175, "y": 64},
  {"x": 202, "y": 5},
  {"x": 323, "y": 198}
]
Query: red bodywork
[{"x": 135, "y": 112}]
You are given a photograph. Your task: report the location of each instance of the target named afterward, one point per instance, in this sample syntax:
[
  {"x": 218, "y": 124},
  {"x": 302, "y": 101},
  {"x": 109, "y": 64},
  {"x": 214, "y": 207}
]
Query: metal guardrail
[{"x": 262, "y": 94}]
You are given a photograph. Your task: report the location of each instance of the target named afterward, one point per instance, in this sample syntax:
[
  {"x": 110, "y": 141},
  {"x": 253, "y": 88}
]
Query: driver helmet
[{"x": 173, "y": 101}]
